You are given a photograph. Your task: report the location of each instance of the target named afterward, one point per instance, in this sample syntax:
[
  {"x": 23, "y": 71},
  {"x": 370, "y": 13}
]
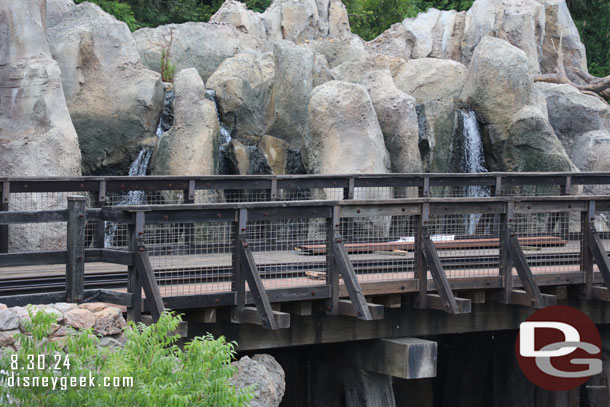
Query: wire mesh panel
[
  {"x": 191, "y": 258},
  {"x": 289, "y": 253},
  {"x": 550, "y": 241},
  {"x": 308, "y": 194},
  {"x": 467, "y": 244},
  {"x": 380, "y": 247},
  {"x": 530, "y": 190},
  {"x": 40, "y": 236}
]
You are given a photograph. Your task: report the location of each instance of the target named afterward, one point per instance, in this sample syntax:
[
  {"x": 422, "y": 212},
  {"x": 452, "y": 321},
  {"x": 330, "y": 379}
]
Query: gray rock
[
  {"x": 531, "y": 25},
  {"x": 500, "y": 88},
  {"x": 430, "y": 79},
  {"x": 64, "y": 306},
  {"x": 582, "y": 123},
  {"x": 79, "y": 318},
  {"x": 437, "y": 120},
  {"x": 8, "y": 337},
  {"x": 108, "y": 342},
  {"x": 266, "y": 374},
  {"x": 8, "y": 320},
  {"x": 109, "y": 321},
  {"x": 339, "y": 51},
  {"x": 292, "y": 88},
  {"x": 398, "y": 120},
  {"x": 243, "y": 86},
  {"x": 35, "y": 125},
  {"x": 190, "y": 147},
  {"x": 436, "y": 34},
  {"x": 203, "y": 46},
  {"x": 236, "y": 13},
  {"x": 114, "y": 101},
  {"x": 355, "y": 71}
]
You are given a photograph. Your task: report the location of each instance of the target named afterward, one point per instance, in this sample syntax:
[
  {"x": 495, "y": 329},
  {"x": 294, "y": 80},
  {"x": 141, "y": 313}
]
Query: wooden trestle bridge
[{"x": 271, "y": 251}]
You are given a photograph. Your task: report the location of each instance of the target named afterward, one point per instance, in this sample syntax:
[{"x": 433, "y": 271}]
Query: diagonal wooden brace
[
  {"x": 346, "y": 269},
  {"x": 146, "y": 275},
  {"x": 531, "y": 296},
  {"x": 445, "y": 299},
  {"x": 257, "y": 289},
  {"x": 597, "y": 250}
]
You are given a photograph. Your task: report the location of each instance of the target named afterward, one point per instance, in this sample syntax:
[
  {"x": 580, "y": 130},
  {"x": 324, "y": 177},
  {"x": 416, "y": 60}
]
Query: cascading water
[
  {"x": 472, "y": 159},
  {"x": 139, "y": 166},
  {"x": 225, "y": 134}
]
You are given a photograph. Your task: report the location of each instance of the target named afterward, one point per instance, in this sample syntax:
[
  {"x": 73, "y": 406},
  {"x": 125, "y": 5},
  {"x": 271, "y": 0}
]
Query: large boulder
[
  {"x": 437, "y": 126},
  {"x": 264, "y": 373},
  {"x": 344, "y": 136},
  {"x": 339, "y": 51},
  {"x": 431, "y": 34},
  {"x": 354, "y": 71},
  {"x": 195, "y": 45},
  {"x": 237, "y": 14},
  {"x": 114, "y": 101},
  {"x": 429, "y": 79},
  {"x": 37, "y": 137},
  {"x": 500, "y": 88},
  {"x": 582, "y": 123},
  {"x": 534, "y": 26},
  {"x": 398, "y": 120},
  {"x": 243, "y": 86},
  {"x": 292, "y": 86},
  {"x": 293, "y": 20},
  {"x": 191, "y": 146}
]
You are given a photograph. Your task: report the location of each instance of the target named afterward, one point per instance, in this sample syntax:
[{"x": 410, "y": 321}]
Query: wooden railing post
[
  {"x": 75, "y": 264},
  {"x": 333, "y": 225},
  {"x": 189, "y": 228},
  {"x": 99, "y": 200},
  {"x": 505, "y": 266},
  {"x": 586, "y": 257},
  {"x": 134, "y": 285},
  {"x": 238, "y": 282},
  {"x": 421, "y": 271},
  {"x": 4, "y": 201}
]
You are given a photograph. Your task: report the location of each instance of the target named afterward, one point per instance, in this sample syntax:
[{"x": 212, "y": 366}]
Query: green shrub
[
  {"x": 168, "y": 68},
  {"x": 163, "y": 373},
  {"x": 120, "y": 10}
]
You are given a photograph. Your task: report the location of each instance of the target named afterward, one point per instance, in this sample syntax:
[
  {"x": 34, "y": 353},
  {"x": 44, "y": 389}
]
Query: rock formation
[
  {"x": 266, "y": 374},
  {"x": 114, "y": 101},
  {"x": 190, "y": 147}
]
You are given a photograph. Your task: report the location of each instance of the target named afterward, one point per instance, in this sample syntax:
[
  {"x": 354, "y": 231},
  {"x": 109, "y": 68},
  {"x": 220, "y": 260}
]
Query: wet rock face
[
  {"x": 190, "y": 146},
  {"x": 114, "y": 101},
  {"x": 500, "y": 88}
]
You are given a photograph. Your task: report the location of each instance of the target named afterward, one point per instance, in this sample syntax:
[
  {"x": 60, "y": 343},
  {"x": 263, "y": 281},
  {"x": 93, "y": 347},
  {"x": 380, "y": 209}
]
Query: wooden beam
[
  {"x": 435, "y": 301},
  {"x": 75, "y": 259},
  {"x": 5, "y": 194},
  {"x": 389, "y": 301},
  {"x": 146, "y": 275},
  {"x": 346, "y": 269},
  {"x": 333, "y": 225},
  {"x": 300, "y": 308},
  {"x": 599, "y": 293},
  {"x": 109, "y": 296},
  {"x": 520, "y": 297},
  {"x": 134, "y": 285},
  {"x": 250, "y": 315},
  {"x": 257, "y": 289},
  {"x": 517, "y": 257},
  {"x": 347, "y": 308},
  {"x": 597, "y": 249},
  {"x": 448, "y": 301}
]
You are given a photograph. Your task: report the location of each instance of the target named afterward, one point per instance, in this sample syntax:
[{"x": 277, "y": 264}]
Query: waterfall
[
  {"x": 472, "y": 159},
  {"x": 139, "y": 166},
  {"x": 225, "y": 133}
]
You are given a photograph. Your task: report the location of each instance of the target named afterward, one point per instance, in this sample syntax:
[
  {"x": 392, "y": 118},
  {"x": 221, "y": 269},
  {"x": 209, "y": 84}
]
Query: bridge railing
[
  {"x": 23, "y": 194},
  {"x": 191, "y": 255}
]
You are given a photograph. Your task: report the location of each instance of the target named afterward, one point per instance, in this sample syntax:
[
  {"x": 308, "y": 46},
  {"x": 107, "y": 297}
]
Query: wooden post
[
  {"x": 75, "y": 264},
  {"x": 333, "y": 225},
  {"x": 586, "y": 257},
  {"x": 348, "y": 193},
  {"x": 99, "y": 200},
  {"x": 238, "y": 283},
  {"x": 4, "y": 201},
  {"x": 506, "y": 266},
  {"x": 421, "y": 270},
  {"x": 273, "y": 195},
  {"x": 189, "y": 228},
  {"x": 134, "y": 285},
  {"x": 564, "y": 217}
]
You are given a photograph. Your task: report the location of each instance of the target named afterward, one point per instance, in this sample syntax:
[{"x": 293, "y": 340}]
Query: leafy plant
[
  {"x": 162, "y": 373},
  {"x": 168, "y": 68}
]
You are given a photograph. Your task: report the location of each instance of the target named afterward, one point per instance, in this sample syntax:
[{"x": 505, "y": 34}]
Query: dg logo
[{"x": 559, "y": 348}]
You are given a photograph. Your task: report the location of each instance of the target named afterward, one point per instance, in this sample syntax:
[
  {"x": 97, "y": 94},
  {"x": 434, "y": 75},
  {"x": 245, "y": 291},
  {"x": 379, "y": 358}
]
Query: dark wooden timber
[
  {"x": 109, "y": 296},
  {"x": 134, "y": 285},
  {"x": 4, "y": 203},
  {"x": 586, "y": 256},
  {"x": 345, "y": 268},
  {"x": 421, "y": 270},
  {"x": 535, "y": 297},
  {"x": 596, "y": 247},
  {"x": 238, "y": 282},
  {"x": 263, "y": 306},
  {"x": 333, "y": 225},
  {"x": 75, "y": 258},
  {"x": 448, "y": 302}
]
